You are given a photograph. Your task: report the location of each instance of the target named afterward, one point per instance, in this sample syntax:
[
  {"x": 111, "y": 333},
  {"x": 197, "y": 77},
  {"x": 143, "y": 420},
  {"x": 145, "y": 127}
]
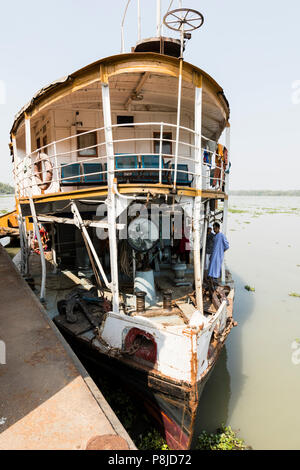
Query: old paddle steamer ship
[{"x": 119, "y": 171}]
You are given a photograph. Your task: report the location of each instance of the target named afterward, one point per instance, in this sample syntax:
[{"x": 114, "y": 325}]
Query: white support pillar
[
  {"x": 161, "y": 137},
  {"x": 41, "y": 248},
  {"x": 111, "y": 198},
  {"x": 139, "y": 21},
  {"x": 16, "y": 162},
  {"x": 27, "y": 135},
  {"x": 28, "y": 153},
  {"x": 197, "y": 199},
  {"x": 23, "y": 243},
  {"x": 33, "y": 212},
  {"x": 178, "y": 122},
  {"x": 122, "y": 28},
  {"x": 158, "y": 18},
  {"x": 225, "y": 211},
  {"x": 206, "y": 204},
  {"x": 53, "y": 247}
]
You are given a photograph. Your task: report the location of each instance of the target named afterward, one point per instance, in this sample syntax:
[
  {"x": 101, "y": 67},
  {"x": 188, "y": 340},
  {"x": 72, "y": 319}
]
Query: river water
[
  {"x": 7, "y": 204},
  {"x": 255, "y": 386}
]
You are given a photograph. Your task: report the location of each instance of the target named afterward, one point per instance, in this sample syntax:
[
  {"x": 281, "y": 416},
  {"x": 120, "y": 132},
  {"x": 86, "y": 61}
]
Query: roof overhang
[{"x": 108, "y": 67}]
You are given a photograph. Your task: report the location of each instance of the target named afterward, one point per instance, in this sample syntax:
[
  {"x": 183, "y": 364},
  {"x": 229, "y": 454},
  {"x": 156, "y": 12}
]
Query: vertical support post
[
  {"x": 22, "y": 221},
  {"x": 33, "y": 212},
  {"x": 139, "y": 20},
  {"x": 197, "y": 200},
  {"x": 225, "y": 210},
  {"x": 160, "y": 151},
  {"x": 42, "y": 254},
  {"x": 111, "y": 198},
  {"x": 204, "y": 238},
  {"x": 178, "y": 113},
  {"x": 16, "y": 162},
  {"x": 23, "y": 244},
  {"x": 122, "y": 28},
  {"x": 28, "y": 148},
  {"x": 133, "y": 265},
  {"x": 27, "y": 135},
  {"x": 158, "y": 18},
  {"x": 54, "y": 258},
  {"x": 56, "y": 165}
]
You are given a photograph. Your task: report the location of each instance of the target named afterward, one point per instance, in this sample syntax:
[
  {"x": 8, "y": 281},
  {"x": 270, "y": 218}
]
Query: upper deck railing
[{"x": 52, "y": 168}]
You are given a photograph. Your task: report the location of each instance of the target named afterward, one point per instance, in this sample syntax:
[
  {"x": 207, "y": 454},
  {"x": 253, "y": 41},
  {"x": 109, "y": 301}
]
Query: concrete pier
[{"x": 47, "y": 399}]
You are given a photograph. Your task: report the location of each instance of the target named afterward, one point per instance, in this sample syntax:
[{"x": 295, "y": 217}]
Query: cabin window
[
  {"x": 129, "y": 120},
  {"x": 84, "y": 142},
  {"x": 166, "y": 145},
  {"x": 38, "y": 143},
  {"x": 45, "y": 143}
]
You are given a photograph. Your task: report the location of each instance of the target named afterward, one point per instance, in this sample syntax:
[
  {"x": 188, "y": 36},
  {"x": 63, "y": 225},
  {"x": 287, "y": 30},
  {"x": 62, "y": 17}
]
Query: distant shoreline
[
  {"x": 6, "y": 189},
  {"x": 264, "y": 193}
]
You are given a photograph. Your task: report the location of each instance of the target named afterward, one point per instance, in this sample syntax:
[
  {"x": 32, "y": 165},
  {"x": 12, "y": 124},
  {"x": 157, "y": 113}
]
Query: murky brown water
[{"x": 255, "y": 386}]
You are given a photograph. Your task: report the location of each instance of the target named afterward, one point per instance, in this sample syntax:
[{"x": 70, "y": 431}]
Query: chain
[{"x": 116, "y": 352}]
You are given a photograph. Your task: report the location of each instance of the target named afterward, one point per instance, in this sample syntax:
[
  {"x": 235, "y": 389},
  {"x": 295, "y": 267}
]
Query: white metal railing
[{"x": 169, "y": 167}]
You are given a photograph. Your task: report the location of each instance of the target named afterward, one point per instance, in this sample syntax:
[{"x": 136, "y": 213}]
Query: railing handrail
[{"x": 161, "y": 126}]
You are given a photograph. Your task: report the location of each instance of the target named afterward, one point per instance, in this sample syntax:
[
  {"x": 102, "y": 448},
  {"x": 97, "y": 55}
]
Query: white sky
[{"x": 250, "y": 48}]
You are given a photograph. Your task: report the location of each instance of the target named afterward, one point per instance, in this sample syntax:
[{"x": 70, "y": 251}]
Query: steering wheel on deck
[{"x": 189, "y": 19}]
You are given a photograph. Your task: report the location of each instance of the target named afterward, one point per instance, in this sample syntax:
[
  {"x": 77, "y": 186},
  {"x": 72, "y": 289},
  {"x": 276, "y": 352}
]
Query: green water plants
[
  {"x": 237, "y": 211},
  {"x": 294, "y": 294},
  {"x": 152, "y": 441},
  {"x": 224, "y": 439},
  {"x": 250, "y": 289}
]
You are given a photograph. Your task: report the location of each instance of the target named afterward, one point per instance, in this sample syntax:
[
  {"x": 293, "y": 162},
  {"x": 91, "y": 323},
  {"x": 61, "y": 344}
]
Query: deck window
[
  {"x": 166, "y": 145},
  {"x": 128, "y": 120},
  {"x": 84, "y": 142}
]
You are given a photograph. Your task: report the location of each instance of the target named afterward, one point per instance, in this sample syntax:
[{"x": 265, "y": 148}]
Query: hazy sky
[{"x": 250, "y": 48}]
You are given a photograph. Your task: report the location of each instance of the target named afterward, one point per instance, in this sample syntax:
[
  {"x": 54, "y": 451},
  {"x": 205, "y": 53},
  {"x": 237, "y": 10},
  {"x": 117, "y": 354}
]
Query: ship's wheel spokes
[{"x": 182, "y": 19}]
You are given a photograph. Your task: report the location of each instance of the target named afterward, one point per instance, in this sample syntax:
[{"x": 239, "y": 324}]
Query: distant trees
[
  {"x": 6, "y": 189},
  {"x": 265, "y": 192}
]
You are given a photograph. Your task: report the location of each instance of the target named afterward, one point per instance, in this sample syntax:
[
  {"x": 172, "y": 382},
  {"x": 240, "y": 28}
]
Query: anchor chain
[{"x": 116, "y": 352}]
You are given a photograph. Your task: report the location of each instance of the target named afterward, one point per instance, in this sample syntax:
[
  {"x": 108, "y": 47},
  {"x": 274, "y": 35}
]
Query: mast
[{"x": 158, "y": 18}]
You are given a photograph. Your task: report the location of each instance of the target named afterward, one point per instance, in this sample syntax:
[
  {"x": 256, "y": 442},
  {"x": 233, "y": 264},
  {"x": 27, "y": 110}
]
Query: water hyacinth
[{"x": 224, "y": 439}]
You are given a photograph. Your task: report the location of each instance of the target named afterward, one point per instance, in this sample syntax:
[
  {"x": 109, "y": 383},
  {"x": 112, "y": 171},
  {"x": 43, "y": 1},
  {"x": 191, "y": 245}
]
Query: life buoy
[{"x": 43, "y": 171}]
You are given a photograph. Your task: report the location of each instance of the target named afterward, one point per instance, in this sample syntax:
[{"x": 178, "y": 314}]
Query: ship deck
[
  {"x": 129, "y": 189},
  {"x": 48, "y": 400}
]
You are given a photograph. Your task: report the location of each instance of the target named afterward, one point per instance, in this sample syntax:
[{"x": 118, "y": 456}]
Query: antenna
[{"x": 122, "y": 28}]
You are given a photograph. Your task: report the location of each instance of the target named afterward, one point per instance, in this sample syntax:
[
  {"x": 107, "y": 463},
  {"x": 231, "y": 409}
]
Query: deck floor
[{"x": 48, "y": 401}]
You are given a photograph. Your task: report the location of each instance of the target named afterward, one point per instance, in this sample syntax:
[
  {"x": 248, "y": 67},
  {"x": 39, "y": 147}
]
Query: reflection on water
[{"x": 256, "y": 390}]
